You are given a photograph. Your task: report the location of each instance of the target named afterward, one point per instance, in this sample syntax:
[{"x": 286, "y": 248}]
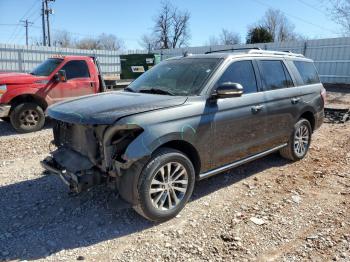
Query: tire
[
  {"x": 156, "y": 206},
  {"x": 27, "y": 117},
  {"x": 292, "y": 151}
]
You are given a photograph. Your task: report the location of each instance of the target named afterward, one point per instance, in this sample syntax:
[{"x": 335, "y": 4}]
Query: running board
[{"x": 239, "y": 162}]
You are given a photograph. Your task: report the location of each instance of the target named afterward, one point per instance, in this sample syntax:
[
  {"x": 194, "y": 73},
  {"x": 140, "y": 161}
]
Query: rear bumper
[
  {"x": 319, "y": 118},
  {"x": 4, "y": 110}
]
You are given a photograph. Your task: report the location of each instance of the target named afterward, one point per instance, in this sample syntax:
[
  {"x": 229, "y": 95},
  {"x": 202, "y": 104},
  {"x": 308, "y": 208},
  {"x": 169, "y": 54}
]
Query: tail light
[{"x": 324, "y": 95}]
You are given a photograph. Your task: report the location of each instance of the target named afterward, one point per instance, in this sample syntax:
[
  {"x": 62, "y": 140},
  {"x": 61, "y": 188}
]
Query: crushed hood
[
  {"x": 18, "y": 78},
  {"x": 106, "y": 108}
]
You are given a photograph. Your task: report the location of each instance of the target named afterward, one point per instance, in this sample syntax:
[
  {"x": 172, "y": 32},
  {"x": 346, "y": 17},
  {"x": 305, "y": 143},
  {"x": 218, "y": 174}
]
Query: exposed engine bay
[{"x": 88, "y": 155}]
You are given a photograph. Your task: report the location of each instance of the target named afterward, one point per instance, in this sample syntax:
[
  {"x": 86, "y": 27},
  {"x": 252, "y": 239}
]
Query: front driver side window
[
  {"x": 76, "y": 69},
  {"x": 241, "y": 72}
]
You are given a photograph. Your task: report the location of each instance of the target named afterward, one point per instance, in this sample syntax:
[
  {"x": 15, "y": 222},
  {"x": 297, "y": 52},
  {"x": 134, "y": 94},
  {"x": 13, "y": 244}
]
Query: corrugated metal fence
[
  {"x": 24, "y": 59},
  {"x": 332, "y": 56}
]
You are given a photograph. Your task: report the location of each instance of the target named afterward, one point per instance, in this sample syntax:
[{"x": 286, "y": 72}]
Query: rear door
[
  {"x": 281, "y": 99},
  {"x": 79, "y": 82},
  {"x": 239, "y": 123}
]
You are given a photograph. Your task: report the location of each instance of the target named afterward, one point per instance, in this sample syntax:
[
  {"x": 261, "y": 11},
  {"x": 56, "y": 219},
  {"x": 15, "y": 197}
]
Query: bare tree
[
  {"x": 213, "y": 40},
  {"x": 171, "y": 28},
  {"x": 110, "y": 42},
  {"x": 88, "y": 43},
  {"x": 149, "y": 42},
  {"x": 278, "y": 25},
  {"x": 229, "y": 37},
  {"x": 340, "y": 11},
  {"x": 63, "y": 39},
  {"x": 102, "y": 42},
  {"x": 226, "y": 37}
]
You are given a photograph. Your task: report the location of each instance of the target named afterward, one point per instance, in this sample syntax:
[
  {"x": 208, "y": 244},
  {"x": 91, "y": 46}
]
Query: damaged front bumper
[{"x": 77, "y": 181}]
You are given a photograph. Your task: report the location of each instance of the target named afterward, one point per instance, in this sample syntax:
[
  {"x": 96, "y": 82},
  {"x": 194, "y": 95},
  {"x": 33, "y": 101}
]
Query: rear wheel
[
  {"x": 299, "y": 141},
  {"x": 27, "y": 117},
  {"x": 165, "y": 185}
]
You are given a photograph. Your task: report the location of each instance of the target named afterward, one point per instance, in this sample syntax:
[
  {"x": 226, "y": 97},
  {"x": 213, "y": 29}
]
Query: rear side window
[
  {"x": 307, "y": 72},
  {"x": 76, "y": 69},
  {"x": 242, "y": 73},
  {"x": 274, "y": 75}
]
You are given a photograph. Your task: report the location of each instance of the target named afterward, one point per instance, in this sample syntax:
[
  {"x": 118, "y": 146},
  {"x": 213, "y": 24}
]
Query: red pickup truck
[{"x": 25, "y": 97}]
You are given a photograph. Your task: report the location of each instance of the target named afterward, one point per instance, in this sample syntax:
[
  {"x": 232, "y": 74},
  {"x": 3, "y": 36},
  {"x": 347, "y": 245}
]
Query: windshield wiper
[
  {"x": 128, "y": 89},
  {"x": 156, "y": 91}
]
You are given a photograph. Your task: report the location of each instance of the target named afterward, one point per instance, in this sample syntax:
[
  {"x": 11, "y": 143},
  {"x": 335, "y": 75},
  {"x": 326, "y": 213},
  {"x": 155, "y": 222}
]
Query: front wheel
[
  {"x": 299, "y": 141},
  {"x": 165, "y": 185},
  {"x": 27, "y": 117}
]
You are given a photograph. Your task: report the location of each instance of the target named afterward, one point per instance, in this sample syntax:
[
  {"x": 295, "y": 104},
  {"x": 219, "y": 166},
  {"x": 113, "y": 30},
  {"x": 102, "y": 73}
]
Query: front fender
[
  {"x": 15, "y": 92},
  {"x": 151, "y": 139},
  {"x": 137, "y": 155}
]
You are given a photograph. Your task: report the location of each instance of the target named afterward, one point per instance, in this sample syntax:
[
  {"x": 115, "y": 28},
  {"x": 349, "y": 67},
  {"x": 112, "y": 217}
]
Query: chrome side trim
[{"x": 239, "y": 162}]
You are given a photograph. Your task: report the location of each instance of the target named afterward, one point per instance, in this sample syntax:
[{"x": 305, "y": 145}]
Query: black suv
[{"x": 184, "y": 120}]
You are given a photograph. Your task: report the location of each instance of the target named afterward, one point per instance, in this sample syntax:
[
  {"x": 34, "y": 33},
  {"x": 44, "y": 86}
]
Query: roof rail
[
  {"x": 233, "y": 49},
  {"x": 284, "y": 53}
]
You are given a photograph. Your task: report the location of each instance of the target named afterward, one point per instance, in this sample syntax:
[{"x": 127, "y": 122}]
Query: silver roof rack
[{"x": 283, "y": 53}]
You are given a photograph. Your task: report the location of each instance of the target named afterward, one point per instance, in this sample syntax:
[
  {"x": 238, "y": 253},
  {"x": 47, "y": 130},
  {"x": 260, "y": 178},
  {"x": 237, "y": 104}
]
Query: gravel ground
[{"x": 268, "y": 210}]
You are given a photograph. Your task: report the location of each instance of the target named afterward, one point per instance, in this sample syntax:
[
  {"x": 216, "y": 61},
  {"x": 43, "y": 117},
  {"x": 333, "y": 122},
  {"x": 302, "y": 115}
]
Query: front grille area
[{"x": 76, "y": 137}]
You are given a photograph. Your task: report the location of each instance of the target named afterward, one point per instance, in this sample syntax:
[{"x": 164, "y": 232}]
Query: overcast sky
[{"x": 129, "y": 20}]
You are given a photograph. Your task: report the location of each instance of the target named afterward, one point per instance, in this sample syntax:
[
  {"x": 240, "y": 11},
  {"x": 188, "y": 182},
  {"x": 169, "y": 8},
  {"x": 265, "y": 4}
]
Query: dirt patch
[{"x": 268, "y": 210}]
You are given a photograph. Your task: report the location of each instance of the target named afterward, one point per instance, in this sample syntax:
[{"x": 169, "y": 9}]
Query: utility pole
[
  {"x": 43, "y": 22},
  {"x": 26, "y": 25},
  {"x": 47, "y": 11}
]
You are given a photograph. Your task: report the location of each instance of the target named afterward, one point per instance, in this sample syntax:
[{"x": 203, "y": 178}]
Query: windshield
[
  {"x": 46, "y": 67},
  {"x": 180, "y": 77}
]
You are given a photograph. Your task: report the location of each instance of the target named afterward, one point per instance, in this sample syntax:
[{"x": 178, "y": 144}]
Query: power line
[
  {"x": 16, "y": 31},
  {"x": 30, "y": 9},
  {"x": 297, "y": 18},
  {"x": 313, "y": 7},
  {"x": 9, "y": 24}
]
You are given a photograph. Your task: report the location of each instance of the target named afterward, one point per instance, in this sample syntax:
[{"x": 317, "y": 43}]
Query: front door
[
  {"x": 239, "y": 123},
  {"x": 78, "y": 82}
]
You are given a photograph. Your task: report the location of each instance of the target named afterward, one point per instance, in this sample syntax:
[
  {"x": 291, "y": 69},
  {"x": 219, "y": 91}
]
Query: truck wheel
[
  {"x": 5, "y": 119},
  {"x": 166, "y": 184},
  {"x": 27, "y": 117},
  {"x": 299, "y": 141}
]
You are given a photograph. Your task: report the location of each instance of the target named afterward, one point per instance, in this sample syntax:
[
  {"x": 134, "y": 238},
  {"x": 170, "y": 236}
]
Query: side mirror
[
  {"x": 228, "y": 90},
  {"x": 61, "y": 76}
]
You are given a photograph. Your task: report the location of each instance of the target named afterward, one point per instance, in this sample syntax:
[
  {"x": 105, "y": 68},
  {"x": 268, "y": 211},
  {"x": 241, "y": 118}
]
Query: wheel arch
[
  {"x": 309, "y": 116},
  {"x": 29, "y": 98},
  {"x": 128, "y": 182},
  {"x": 186, "y": 148}
]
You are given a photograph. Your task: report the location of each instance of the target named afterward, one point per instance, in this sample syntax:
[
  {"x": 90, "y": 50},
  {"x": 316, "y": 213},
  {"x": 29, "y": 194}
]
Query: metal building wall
[{"x": 331, "y": 56}]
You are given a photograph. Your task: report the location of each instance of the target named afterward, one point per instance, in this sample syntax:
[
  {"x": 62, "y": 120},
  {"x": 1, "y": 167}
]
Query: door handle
[
  {"x": 92, "y": 84},
  {"x": 295, "y": 100},
  {"x": 257, "y": 108}
]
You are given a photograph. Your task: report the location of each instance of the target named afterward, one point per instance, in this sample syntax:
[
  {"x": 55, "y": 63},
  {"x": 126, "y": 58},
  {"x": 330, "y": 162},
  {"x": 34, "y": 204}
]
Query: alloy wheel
[
  {"x": 169, "y": 186},
  {"x": 301, "y": 140}
]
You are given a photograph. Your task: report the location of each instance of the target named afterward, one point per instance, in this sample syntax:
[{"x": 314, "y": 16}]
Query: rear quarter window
[{"x": 308, "y": 72}]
